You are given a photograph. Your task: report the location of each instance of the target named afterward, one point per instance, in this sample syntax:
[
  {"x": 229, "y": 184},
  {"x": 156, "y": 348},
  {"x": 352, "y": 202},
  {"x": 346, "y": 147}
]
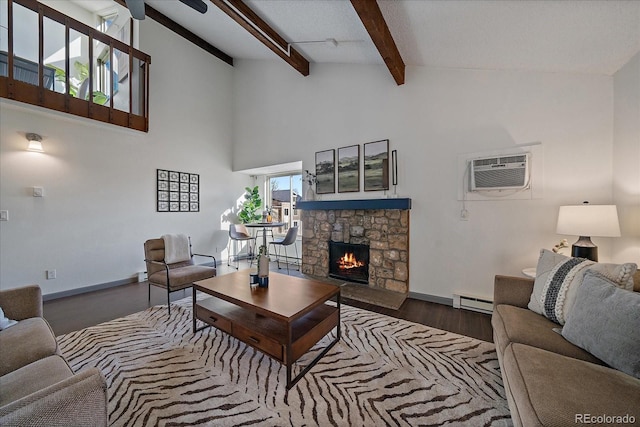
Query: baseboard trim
[
  {"x": 98, "y": 287},
  {"x": 87, "y": 289},
  {"x": 431, "y": 298}
]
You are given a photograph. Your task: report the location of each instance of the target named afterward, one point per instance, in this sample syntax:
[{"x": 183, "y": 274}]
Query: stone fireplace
[{"x": 380, "y": 224}]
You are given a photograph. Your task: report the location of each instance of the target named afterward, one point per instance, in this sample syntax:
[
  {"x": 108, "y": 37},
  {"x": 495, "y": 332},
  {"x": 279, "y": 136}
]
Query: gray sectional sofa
[{"x": 549, "y": 381}]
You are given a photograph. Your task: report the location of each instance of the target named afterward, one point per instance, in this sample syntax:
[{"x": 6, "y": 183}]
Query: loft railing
[{"x": 53, "y": 61}]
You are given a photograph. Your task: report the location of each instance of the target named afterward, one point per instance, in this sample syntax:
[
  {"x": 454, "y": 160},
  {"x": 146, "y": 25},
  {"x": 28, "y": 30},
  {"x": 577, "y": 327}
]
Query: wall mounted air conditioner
[{"x": 500, "y": 173}]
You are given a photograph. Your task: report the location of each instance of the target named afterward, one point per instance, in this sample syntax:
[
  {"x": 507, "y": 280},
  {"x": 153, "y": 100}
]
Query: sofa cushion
[
  {"x": 558, "y": 278},
  {"x": 33, "y": 377},
  {"x": 605, "y": 321},
  {"x": 520, "y": 325},
  {"x": 27, "y": 341},
  {"x": 549, "y": 389}
]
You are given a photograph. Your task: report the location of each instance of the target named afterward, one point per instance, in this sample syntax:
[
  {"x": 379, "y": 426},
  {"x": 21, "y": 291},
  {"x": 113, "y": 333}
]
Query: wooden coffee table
[{"x": 283, "y": 321}]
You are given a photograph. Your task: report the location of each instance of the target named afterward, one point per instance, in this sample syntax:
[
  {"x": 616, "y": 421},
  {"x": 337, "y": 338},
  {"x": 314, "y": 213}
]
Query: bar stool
[
  {"x": 239, "y": 233},
  {"x": 288, "y": 240}
]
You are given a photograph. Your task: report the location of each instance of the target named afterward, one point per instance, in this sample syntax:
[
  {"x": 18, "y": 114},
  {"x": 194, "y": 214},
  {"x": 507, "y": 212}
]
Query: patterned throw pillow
[{"x": 558, "y": 278}]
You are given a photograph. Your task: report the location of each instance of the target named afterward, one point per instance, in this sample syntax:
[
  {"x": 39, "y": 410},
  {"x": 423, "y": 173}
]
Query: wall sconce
[
  {"x": 35, "y": 143},
  {"x": 586, "y": 221}
]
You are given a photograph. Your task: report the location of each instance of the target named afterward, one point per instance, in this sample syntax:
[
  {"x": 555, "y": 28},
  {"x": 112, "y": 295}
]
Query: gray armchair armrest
[
  {"x": 512, "y": 290},
  {"x": 80, "y": 400},
  {"x": 22, "y": 303}
]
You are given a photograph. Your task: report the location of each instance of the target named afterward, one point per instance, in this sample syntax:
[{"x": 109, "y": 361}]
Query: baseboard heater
[{"x": 473, "y": 303}]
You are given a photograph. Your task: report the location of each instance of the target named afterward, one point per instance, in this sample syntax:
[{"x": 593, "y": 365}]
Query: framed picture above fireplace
[
  {"x": 349, "y": 169},
  {"x": 376, "y": 165},
  {"x": 326, "y": 172}
]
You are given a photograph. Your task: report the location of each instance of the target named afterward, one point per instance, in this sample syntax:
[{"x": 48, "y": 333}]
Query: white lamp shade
[{"x": 588, "y": 220}]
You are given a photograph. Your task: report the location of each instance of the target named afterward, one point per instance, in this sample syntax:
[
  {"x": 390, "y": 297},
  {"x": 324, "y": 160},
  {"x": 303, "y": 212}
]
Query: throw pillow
[
  {"x": 4, "y": 322},
  {"x": 605, "y": 322},
  {"x": 558, "y": 278}
]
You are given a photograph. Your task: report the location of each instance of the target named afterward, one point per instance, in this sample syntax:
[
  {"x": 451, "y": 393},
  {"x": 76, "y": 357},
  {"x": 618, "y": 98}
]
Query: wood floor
[{"x": 80, "y": 311}]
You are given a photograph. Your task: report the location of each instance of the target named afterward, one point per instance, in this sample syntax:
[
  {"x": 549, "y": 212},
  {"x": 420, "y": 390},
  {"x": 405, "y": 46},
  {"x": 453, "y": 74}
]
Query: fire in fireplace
[{"x": 349, "y": 261}]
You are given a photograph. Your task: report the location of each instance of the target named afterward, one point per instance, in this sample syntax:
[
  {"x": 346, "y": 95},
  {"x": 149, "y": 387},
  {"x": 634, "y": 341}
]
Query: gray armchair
[
  {"x": 37, "y": 386},
  {"x": 176, "y": 276}
]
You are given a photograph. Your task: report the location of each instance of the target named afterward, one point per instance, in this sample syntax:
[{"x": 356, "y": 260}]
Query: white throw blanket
[{"x": 176, "y": 248}]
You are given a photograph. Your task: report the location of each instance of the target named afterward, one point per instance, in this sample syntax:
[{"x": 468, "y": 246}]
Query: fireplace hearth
[{"x": 349, "y": 262}]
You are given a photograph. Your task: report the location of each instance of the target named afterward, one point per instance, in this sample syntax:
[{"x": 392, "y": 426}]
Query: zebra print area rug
[{"x": 384, "y": 371}]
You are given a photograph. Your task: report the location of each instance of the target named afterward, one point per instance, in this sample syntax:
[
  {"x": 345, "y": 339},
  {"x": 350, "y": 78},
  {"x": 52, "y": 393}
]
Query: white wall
[
  {"x": 437, "y": 115},
  {"x": 626, "y": 159},
  {"x": 99, "y": 179}
]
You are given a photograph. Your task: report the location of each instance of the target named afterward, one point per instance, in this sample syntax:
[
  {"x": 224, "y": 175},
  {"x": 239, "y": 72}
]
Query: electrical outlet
[
  {"x": 38, "y": 192},
  {"x": 51, "y": 274},
  {"x": 4, "y": 215},
  {"x": 464, "y": 215}
]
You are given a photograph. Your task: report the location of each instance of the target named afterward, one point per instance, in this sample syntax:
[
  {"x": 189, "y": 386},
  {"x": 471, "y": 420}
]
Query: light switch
[
  {"x": 38, "y": 192},
  {"x": 4, "y": 215}
]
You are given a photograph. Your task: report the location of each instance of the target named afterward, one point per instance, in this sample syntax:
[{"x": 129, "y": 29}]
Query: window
[
  {"x": 117, "y": 26},
  {"x": 106, "y": 21},
  {"x": 72, "y": 68},
  {"x": 283, "y": 194}
]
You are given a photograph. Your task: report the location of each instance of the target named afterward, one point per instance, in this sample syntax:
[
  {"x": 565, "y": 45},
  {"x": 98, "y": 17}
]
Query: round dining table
[{"x": 264, "y": 226}]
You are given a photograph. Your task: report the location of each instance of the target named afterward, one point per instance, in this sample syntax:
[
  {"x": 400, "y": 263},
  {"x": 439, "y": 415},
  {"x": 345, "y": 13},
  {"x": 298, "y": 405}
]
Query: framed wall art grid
[{"x": 177, "y": 191}]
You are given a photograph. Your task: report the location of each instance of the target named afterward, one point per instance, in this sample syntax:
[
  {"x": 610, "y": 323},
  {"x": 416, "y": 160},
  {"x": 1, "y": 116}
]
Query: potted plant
[
  {"x": 252, "y": 203},
  {"x": 77, "y": 83}
]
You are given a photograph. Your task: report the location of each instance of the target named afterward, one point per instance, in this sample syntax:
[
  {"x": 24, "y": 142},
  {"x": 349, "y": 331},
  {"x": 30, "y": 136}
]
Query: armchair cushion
[
  {"x": 182, "y": 277},
  {"x": 83, "y": 398},
  {"x": 29, "y": 379},
  {"x": 28, "y": 341}
]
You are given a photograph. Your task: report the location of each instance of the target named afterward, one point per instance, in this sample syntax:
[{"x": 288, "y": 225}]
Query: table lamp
[{"x": 587, "y": 221}]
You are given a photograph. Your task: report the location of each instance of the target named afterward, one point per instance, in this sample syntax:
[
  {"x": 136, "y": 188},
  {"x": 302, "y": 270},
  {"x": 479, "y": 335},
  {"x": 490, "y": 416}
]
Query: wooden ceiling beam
[
  {"x": 183, "y": 32},
  {"x": 372, "y": 19},
  {"x": 250, "y": 21}
]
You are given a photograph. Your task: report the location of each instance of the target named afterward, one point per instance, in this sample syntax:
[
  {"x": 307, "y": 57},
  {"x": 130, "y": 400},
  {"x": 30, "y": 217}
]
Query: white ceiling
[
  {"x": 555, "y": 36},
  {"x": 595, "y": 37}
]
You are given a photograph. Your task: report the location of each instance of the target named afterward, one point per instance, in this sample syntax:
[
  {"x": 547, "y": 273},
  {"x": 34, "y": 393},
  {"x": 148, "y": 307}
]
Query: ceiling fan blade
[
  {"x": 136, "y": 8},
  {"x": 198, "y": 5}
]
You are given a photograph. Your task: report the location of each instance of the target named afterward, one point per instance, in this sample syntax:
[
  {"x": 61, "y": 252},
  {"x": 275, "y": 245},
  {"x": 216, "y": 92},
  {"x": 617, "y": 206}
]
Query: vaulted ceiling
[{"x": 593, "y": 37}]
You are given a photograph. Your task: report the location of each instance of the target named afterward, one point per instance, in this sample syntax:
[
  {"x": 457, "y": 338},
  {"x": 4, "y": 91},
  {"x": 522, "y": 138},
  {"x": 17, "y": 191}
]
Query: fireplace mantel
[{"x": 354, "y": 204}]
